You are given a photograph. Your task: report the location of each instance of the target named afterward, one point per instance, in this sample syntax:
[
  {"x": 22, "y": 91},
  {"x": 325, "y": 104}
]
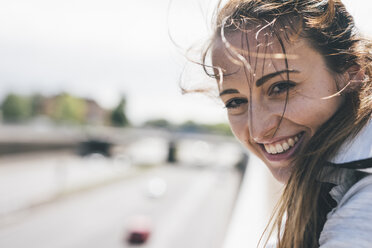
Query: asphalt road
[{"x": 193, "y": 212}]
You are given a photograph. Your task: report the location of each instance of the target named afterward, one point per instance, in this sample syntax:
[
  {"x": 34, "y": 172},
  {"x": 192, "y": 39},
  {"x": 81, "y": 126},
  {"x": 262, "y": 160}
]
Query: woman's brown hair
[{"x": 329, "y": 28}]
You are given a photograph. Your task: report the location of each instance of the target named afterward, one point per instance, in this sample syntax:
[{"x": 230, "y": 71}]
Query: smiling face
[{"x": 275, "y": 105}]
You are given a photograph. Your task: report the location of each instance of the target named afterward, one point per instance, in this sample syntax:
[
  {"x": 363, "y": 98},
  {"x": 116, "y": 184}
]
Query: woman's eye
[
  {"x": 281, "y": 87},
  {"x": 235, "y": 103}
]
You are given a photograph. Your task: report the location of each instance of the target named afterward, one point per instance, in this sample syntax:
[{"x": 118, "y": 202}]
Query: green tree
[
  {"x": 16, "y": 108},
  {"x": 190, "y": 126},
  {"x": 158, "y": 123},
  {"x": 69, "y": 109},
  {"x": 37, "y": 101},
  {"x": 118, "y": 116},
  {"x": 219, "y": 128}
]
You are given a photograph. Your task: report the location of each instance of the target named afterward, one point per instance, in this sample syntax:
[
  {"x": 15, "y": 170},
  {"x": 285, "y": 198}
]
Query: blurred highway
[{"x": 62, "y": 200}]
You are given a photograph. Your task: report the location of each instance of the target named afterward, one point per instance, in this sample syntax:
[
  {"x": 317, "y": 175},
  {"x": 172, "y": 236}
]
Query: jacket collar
[{"x": 356, "y": 148}]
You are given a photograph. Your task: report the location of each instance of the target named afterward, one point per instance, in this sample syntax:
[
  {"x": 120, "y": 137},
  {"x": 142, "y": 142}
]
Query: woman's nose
[{"x": 263, "y": 122}]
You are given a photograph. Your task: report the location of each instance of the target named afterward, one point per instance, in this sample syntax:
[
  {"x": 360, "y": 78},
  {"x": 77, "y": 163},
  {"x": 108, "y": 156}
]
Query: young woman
[{"x": 295, "y": 77}]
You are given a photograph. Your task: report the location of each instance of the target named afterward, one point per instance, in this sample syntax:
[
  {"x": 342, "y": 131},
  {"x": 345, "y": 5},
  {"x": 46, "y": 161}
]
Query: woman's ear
[{"x": 354, "y": 77}]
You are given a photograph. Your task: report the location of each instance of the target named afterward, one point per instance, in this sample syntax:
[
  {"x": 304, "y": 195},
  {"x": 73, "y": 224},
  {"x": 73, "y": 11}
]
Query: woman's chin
[{"x": 280, "y": 173}]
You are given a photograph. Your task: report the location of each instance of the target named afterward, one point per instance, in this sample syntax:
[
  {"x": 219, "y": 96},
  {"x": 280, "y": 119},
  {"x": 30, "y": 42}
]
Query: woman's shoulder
[
  {"x": 358, "y": 193},
  {"x": 350, "y": 223}
]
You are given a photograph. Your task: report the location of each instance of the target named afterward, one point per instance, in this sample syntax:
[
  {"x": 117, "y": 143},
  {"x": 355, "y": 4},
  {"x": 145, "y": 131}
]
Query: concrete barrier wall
[{"x": 17, "y": 147}]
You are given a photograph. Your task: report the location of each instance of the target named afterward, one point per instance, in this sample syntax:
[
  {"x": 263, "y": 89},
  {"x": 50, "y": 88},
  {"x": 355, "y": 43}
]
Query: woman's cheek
[
  {"x": 239, "y": 127},
  {"x": 312, "y": 113}
]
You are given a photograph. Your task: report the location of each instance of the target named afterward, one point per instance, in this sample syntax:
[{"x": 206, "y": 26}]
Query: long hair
[{"x": 329, "y": 28}]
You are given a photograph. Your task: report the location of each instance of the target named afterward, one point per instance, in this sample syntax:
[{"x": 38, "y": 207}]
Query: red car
[{"x": 139, "y": 230}]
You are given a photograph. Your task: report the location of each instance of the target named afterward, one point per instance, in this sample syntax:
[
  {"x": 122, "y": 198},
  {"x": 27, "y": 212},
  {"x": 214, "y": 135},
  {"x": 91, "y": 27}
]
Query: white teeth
[
  {"x": 273, "y": 150},
  {"x": 267, "y": 148},
  {"x": 291, "y": 142},
  {"x": 279, "y": 148},
  {"x": 285, "y": 146}
]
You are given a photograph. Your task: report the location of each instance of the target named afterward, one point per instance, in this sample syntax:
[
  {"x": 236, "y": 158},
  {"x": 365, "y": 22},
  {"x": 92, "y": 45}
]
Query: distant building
[{"x": 94, "y": 113}]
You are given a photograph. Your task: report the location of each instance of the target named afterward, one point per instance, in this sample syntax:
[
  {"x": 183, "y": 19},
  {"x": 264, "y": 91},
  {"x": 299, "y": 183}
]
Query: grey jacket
[{"x": 349, "y": 224}]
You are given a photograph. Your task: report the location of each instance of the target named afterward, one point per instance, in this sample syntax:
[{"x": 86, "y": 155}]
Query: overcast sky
[{"x": 105, "y": 49}]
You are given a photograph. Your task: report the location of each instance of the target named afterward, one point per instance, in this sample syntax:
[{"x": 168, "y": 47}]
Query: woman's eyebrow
[
  {"x": 229, "y": 91},
  {"x": 265, "y": 78}
]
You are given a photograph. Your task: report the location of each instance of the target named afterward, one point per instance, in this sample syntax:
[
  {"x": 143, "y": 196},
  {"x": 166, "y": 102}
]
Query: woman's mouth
[{"x": 283, "y": 149}]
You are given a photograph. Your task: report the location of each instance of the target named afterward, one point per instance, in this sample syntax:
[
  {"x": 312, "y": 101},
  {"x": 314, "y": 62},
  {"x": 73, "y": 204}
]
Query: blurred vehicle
[
  {"x": 139, "y": 230},
  {"x": 94, "y": 146}
]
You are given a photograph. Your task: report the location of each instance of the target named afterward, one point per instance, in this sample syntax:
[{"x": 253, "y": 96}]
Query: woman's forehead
[
  {"x": 252, "y": 41},
  {"x": 258, "y": 52}
]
